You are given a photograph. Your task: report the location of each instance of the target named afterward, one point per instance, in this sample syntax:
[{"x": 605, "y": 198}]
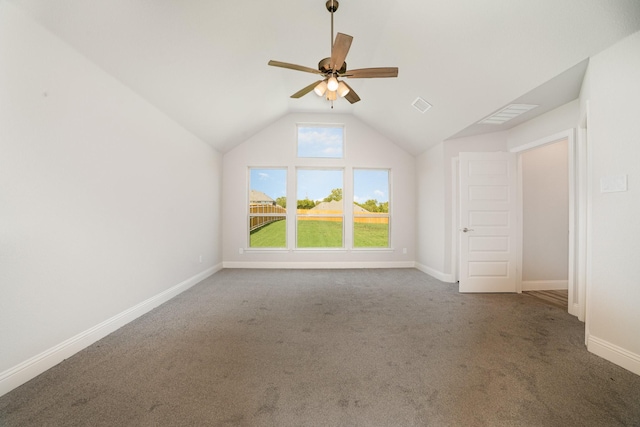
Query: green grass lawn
[
  {"x": 370, "y": 235},
  {"x": 320, "y": 234},
  {"x": 272, "y": 235}
]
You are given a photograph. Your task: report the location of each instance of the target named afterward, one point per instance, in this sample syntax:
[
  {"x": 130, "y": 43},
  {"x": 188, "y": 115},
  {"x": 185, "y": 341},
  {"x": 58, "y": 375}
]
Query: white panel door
[{"x": 488, "y": 228}]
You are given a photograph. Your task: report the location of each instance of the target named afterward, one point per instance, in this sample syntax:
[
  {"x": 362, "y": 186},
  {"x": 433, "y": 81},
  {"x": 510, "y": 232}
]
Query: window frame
[
  {"x": 342, "y": 216},
  {"x": 284, "y": 215},
  {"x": 386, "y": 215}
]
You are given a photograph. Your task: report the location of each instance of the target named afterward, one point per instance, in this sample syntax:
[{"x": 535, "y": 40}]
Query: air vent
[
  {"x": 507, "y": 113},
  {"x": 421, "y": 105}
]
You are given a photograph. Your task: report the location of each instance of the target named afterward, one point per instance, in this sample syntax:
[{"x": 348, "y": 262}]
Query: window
[
  {"x": 371, "y": 208},
  {"x": 267, "y": 208},
  {"x": 317, "y": 213},
  {"x": 321, "y": 141},
  {"x": 320, "y": 216}
]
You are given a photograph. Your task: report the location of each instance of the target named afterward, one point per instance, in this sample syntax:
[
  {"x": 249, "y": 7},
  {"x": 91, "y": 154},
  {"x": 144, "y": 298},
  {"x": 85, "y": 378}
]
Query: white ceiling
[{"x": 204, "y": 62}]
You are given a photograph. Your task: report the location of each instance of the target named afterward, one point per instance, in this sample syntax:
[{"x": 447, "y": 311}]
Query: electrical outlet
[
  {"x": 200, "y": 259},
  {"x": 404, "y": 251},
  {"x": 240, "y": 251}
]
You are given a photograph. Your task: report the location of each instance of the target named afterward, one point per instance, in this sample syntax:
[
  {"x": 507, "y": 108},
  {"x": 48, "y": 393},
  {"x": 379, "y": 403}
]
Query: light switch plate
[{"x": 613, "y": 183}]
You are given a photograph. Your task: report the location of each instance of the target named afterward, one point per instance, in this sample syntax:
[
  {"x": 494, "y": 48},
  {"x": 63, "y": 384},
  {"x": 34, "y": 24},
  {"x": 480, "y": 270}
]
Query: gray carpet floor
[
  {"x": 388, "y": 347},
  {"x": 559, "y": 298}
]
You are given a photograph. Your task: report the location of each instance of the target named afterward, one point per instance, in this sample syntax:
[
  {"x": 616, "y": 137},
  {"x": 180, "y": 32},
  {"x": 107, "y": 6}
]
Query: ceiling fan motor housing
[{"x": 325, "y": 66}]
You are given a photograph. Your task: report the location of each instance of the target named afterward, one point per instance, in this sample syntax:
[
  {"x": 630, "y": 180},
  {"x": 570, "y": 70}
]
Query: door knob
[{"x": 464, "y": 230}]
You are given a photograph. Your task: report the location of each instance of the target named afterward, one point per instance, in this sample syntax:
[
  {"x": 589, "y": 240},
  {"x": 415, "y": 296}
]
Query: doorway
[
  {"x": 544, "y": 189},
  {"x": 576, "y": 233},
  {"x": 576, "y": 218}
]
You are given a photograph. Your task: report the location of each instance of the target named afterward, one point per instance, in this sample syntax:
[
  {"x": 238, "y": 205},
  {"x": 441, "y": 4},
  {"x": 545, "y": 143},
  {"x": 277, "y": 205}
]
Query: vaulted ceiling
[{"x": 204, "y": 62}]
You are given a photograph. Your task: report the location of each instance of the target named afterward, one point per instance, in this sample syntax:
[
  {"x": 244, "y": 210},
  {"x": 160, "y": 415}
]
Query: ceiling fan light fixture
[
  {"x": 343, "y": 89},
  {"x": 332, "y": 84},
  {"x": 321, "y": 88},
  {"x": 332, "y": 95}
]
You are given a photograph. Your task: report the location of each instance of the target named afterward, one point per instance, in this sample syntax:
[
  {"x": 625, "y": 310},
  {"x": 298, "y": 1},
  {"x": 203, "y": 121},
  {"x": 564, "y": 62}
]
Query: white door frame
[
  {"x": 577, "y": 190},
  {"x": 455, "y": 220}
]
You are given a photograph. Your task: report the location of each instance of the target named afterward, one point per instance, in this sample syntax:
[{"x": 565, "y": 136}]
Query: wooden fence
[
  {"x": 336, "y": 215},
  {"x": 258, "y": 216}
]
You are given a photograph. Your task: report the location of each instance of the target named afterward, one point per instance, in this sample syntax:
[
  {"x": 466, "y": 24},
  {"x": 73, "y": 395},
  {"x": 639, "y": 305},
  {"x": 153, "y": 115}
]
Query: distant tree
[
  {"x": 371, "y": 205},
  {"x": 281, "y": 201},
  {"x": 306, "y": 204},
  {"x": 336, "y": 194}
]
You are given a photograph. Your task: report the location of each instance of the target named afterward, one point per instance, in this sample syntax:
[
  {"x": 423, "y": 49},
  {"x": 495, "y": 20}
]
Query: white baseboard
[
  {"x": 448, "y": 278},
  {"x": 614, "y": 354},
  {"x": 545, "y": 285},
  {"x": 319, "y": 265},
  {"x": 574, "y": 310},
  {"x": 31, "y": 368}
]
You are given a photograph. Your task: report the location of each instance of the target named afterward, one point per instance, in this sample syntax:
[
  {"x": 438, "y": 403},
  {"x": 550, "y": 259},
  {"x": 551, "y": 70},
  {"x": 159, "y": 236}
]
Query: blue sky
[
  {"x": 371, "y": 184},
  {"x": 272, "y": 182},
  {"x": 320, "y": 141},
  {"x": 317, "y": 184}
]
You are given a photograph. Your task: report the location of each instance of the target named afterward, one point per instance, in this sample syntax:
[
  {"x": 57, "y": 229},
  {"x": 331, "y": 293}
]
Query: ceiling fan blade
[
  {"x": 352, "y": 96},
  {"x": 368, "y": 73},
  {"x": 305, "y": 90},
  {"x": 339, "y": 51},
  {"x": 294, "y": 67}
]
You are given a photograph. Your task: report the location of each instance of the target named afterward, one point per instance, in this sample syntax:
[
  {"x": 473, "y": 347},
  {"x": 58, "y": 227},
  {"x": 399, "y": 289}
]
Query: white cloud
[{"x": 324, "y": 142}]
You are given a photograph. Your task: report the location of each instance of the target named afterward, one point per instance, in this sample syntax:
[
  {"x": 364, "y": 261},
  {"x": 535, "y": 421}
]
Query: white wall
[
  {"x": 276, "y": 146},
  {"x": 105, "y": 202},
  {"x": 430, "y": 212},
  {"x": 555, "y": 121},
  {"x": 612, "y": 88},
  {"x": 545, "y": 221}
]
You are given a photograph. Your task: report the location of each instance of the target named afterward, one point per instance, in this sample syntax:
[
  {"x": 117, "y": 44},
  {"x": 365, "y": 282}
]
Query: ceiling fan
[{"x": 335, "y": 68}]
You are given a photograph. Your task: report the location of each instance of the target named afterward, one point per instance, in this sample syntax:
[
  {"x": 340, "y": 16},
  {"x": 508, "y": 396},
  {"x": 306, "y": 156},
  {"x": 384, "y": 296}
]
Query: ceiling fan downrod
[{"x": 332, "y": 6}]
